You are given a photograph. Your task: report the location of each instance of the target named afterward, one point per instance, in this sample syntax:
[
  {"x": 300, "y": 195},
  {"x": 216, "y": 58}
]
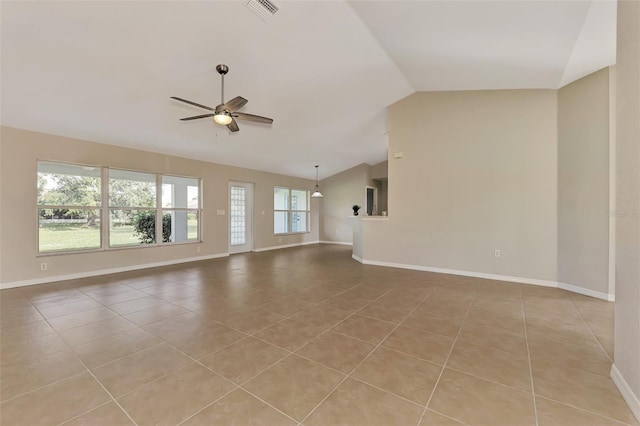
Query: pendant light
[{"x": 316, "y": 192}]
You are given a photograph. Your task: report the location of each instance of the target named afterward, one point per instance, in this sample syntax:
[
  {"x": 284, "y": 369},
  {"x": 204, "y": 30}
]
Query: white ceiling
[
  {"x": 475, "y": 45},
  {"x": 325, "y": 71}
]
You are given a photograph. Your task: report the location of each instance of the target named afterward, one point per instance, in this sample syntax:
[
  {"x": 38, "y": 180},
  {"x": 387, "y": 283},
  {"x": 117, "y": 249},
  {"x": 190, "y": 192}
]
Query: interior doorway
[
  {"x": 372, "y": 200},
  {"x": 240, "y": 217}
]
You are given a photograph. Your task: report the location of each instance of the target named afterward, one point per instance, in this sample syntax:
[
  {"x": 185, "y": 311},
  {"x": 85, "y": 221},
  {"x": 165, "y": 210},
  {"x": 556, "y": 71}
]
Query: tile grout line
[
  {"x": 444, "y": 366},
  {"x": 207, "y": 406},
  {"x": 364, "y": 359},
  {"x": 124, "y": 356},
  {"x": 489, "y": 380},
  {"x": 404, "y": 398},
  {"x": 590, "y": 329},
  {"x": 422, "y": 330},
  {"x": 373, "y": 318},
  {"x": 256, "y": 397},
  {"x": 448, "y": 417},
  {"x": 90, "y": 372},
  {"x": 93, "y": 297},
  {"x": 585, "y": 410},
  {"x": 82, "y": 414},
  {"x": 526, "y": 339},
  {"x": 45, "y": 386}
]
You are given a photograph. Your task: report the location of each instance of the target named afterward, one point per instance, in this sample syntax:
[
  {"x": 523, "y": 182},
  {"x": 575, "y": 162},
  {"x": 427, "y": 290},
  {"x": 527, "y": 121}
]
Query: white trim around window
[{"x": 291, "y": 211}]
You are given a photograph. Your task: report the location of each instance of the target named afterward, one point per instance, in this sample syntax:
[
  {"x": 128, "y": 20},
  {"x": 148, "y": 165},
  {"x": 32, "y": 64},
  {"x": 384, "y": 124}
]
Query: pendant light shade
[{"x": 316, "y": 192}]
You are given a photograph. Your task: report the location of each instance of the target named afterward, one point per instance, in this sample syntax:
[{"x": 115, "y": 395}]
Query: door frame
[
  {"x": 250, "y": 227},
  {"x": 375, "y": 199}
]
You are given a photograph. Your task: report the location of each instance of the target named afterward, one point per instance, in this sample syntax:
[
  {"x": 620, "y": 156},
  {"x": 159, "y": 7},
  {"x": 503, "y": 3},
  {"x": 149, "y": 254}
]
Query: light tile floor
[{"x": 304, "y": 336}]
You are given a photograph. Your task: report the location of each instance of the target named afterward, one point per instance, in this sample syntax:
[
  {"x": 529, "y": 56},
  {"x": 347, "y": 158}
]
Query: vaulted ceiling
[{"x": 325, "y": 71}]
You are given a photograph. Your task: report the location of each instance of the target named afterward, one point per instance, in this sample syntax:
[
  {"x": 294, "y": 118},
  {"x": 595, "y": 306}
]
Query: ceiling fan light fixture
[
  {"x": 223, "y": 118},
  {"x": 316, "y": 191}
]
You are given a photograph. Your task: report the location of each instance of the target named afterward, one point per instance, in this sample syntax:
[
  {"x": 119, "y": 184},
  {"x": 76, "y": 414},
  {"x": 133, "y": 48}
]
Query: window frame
[
  {"x": 107, "y": 198},
  {"x": 290, "y": 212},
  {"x": 98, "y": 207},
  {"x": 104, "y": 208},
  {"x": 161, "y": 209}
]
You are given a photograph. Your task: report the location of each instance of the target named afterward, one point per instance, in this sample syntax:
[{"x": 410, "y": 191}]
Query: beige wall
[
  {"x": 19, "y": 152},
  {"x": 341, "y": 191},
  {"x": 583, "y": 183},
  {"x": 380, "y": 170},
  {"x": 627, "y": 322},
  {"x": 479, "y": 173}
]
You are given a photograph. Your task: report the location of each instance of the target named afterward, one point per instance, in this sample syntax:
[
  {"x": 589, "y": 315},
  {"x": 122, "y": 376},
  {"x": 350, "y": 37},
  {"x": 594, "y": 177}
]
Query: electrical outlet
[
  {"x": 280, "y": 239},
  {"x": 497, "y": 253},
  {"x": 43, "y": 266},
  {"x": 197, "y": 249}
]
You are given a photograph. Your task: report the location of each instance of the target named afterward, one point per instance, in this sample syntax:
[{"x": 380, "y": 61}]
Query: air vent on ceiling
[{"x": 263, "y": 8}]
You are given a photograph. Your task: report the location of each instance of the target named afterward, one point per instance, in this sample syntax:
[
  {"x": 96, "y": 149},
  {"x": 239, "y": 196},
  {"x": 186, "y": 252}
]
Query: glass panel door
[{"x": 240, "y": 217}]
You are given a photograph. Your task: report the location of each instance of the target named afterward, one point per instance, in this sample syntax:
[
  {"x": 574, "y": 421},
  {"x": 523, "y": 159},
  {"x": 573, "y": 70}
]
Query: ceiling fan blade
[
  {"x": 235, "y": 104},
  {"x": 233, "y": 126},
  {"x": 195, "y": 117},
  {"x": 192, "y": 103},
  {"x": 251, "y": 117}
]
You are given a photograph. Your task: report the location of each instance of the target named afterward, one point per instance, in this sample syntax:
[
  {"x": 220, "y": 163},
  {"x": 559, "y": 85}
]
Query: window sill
[{"x": 101, "y": 250}]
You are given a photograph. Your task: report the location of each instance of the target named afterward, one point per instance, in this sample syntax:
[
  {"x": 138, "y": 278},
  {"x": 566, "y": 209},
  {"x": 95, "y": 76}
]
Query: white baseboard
[
  {"x": 624, "y": 388},
  {"x": 587, "y": 292},
  {"x": 87, "y": 274},
  {"x": 342, "y": 243},
  {"x": 520, "y": 280},
  {"x": 285, "y": 246}
]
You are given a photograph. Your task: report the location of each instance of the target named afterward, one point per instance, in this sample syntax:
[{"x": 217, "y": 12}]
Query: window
[
  {"x": 132, "y": 208},
  {"x": 73, "y": 198},
  {"x": 180, "y": 204},
  {"x": 290, "y": 210},
  {"x": 69, "y": 201}
]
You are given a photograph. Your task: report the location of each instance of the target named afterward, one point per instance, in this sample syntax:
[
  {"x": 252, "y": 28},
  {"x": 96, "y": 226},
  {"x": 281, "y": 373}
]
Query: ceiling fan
[{"x": 226, "y": 113}]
